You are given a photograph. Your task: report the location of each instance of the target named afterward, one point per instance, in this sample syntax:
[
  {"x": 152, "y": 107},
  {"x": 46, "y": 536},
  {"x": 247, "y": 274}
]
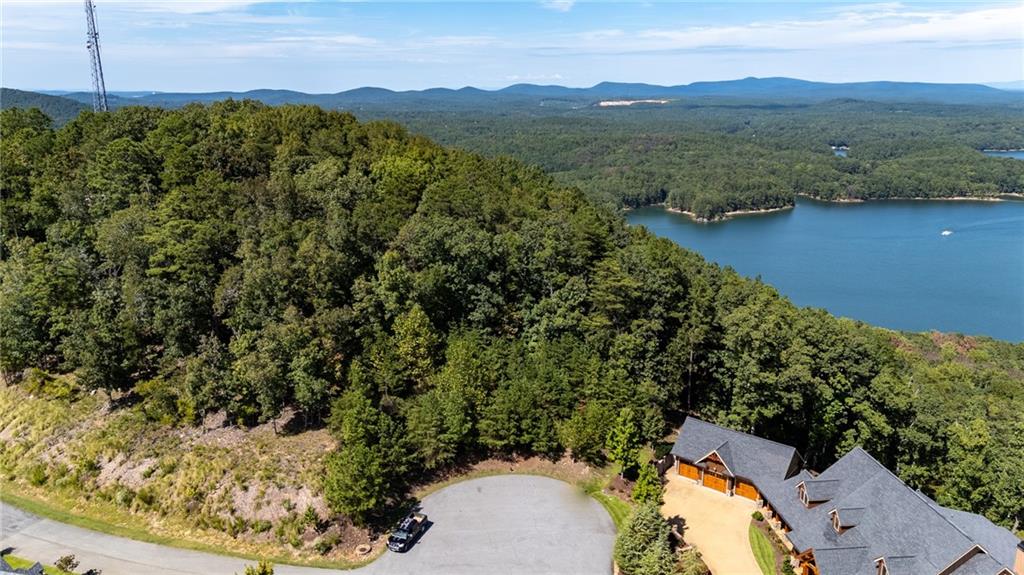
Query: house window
[
  {"x": 835, "y": 522},
  {"x": 802, "y": 492},
  {"x": 882, "y": 570}
]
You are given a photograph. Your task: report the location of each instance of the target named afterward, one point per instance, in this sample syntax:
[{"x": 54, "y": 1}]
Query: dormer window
[
  {"x": 882, "y": 569},
  {"x": 845, "y": 518},
  {"x": 815, "y": 491}
]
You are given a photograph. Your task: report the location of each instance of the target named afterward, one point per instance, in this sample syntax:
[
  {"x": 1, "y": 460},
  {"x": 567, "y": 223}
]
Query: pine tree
[
  {"x": 372, "y": 457},
  {"x": 658, "y": 559},
  {"x": 648, "y": 485},
  {"x": 637, "y": 545},
  {"x": 623, "y": 442}
]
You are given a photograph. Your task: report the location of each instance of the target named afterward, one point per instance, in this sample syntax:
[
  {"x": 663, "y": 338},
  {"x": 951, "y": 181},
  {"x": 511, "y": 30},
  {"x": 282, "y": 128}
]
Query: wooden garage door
[
  {"x": 687, "y": 470},
  {"x": 715, "y": 482},
  {"x": 744, "y": 489}
]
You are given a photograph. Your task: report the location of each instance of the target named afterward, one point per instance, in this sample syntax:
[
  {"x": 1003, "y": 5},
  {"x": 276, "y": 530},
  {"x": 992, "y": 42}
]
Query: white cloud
[
  {"x": 534, "y": 78},
  {"x": 184, "y": 6},
  {"x": 865, "y": 25},
  {"x": 558, "y": 5},
  {"x": 171, "y": 6},
  {"x": 600, "y": 35},
  {"x": 987, "y": 25},
  {"x": 42, "y": 47},
  {"x": 446, "y": 41},
  {"x": 325, "y": 40}
]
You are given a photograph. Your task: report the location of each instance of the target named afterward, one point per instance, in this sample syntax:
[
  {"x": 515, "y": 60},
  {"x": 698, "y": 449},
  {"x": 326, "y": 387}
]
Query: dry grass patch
[{"x": 251, "y": 492}]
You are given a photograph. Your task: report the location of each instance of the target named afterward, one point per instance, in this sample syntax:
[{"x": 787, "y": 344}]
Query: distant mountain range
[
  {"x": 60, "y": 109},
  {"x": 762, "y": 89},
  {"x": 1015, "y": 86}
]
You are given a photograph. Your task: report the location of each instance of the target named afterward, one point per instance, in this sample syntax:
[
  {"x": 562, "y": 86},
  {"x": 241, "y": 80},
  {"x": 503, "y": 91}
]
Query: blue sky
[{"x": 207, "y": 45}]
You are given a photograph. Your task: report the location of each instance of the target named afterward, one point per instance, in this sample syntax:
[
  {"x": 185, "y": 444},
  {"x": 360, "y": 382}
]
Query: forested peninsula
[{"x": 388, "y": 310}]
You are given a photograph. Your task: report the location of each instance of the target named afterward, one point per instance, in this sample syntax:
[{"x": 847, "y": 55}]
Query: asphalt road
[{"x": 507, "y": 524}]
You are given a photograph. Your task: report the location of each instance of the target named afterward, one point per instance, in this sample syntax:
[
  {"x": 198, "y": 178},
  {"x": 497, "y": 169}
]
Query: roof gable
[
  {"x": 819, "y": 490},
  {"x": 721, "y": 454},
  {"x": 998, "y": 542},
  {"x": 747, "y": 456},
  {"x": 850, "y": 516},
  {"x": 881, "y": 517},
  {"x": 909, "y": 531}
]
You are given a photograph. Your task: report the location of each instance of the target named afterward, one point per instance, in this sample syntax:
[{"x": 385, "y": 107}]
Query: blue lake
[
  {"x": 886, "y": 263},
  {"x": 1015, "y": 154}
]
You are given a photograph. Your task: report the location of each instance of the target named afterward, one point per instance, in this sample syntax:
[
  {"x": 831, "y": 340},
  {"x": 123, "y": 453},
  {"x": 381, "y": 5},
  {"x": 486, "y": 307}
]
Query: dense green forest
[
  {"x": 746, "y": 145},
  {"x": 711, "y": 157},
  {"x": 59, "y": 109},
  {"x": 426, "y": 304}
]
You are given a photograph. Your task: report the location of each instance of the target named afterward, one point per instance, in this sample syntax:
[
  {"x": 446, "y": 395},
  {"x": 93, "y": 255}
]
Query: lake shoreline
[
  {"x": 729, "y": 215},
  {"x": 725, "y": 216},
  {"x": 996, "y": 198},
  {"x": 887, "y": 263}
]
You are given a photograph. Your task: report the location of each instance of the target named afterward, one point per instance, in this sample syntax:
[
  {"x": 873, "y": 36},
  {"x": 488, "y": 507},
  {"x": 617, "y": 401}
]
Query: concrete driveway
[
  {"x": 494, "y": 525},
  {"x": 716, "y": 524}
]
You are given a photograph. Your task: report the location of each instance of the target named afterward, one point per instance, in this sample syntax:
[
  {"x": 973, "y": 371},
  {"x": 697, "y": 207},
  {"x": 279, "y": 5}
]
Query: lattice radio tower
[{"x": 99, "y": 89}]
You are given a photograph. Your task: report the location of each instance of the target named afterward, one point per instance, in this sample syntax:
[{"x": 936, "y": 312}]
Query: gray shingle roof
[
  {"x": 999, "y": 542},
  {"x": 747, "y": 456},
  {"x": 850, "y": 516},
  {"x": 881, "y": 515},
  {"x": 783, "y": 498},
  {"x": 979, "y": 564},
  {"x": 724, "y": 452},
  {"x": 904, "y": 565},
  {"x": 821, "y": 489},
  {"x": 842, "y": 560},
  {"x": 910, "y": 531},
  {"x": 6, "y": 569}
]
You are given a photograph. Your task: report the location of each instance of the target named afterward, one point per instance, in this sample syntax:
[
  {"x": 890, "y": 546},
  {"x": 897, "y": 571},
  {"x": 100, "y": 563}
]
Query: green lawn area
[
  {"x": 762, "y": 548},
  {"x": 21, "y": 563},
  {"x": 617, "y": 508}
]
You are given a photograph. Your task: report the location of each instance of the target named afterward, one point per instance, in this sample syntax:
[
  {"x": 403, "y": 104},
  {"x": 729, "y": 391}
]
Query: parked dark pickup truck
[{"x": 403, "y": 537}]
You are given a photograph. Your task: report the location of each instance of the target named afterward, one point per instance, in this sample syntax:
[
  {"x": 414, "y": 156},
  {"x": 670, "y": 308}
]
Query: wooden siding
[
  {"x": 716, "y": 482},
  {"x": 687, "y": 470},
  {"x": 808, "y": 566},
  {"x": 745, "y": 489},
  {"x": 714, "y": 457}
]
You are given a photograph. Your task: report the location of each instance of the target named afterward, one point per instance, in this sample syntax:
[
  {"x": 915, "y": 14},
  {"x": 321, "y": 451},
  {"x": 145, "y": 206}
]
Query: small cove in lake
[
  {"x": 1015, "y": 154},
  {"x": 885, "y": 262}
]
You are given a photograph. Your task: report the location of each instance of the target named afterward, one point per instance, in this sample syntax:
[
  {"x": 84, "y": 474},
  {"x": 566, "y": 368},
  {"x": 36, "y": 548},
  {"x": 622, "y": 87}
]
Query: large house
[{"x": 854, "y": 518}]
